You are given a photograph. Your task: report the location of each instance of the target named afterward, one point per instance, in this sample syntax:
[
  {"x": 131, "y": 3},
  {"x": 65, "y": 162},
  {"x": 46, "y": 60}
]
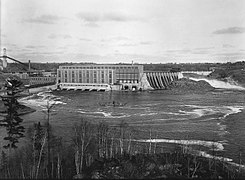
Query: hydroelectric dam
[
  {"x": 161, "y": 80},
  {"x": 104, "y": 76}
]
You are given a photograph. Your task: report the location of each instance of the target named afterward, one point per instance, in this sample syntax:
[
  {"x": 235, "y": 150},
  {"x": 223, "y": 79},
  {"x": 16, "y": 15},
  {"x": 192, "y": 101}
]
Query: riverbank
[
  {"x": 42, "y": 88},
  {"x": 22, "y": 109}
]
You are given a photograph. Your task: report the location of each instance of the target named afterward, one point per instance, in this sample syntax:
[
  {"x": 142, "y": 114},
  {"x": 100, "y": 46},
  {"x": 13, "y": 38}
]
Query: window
[
  {"x": 87, "y": 77},
  {"x": 102, "y": 77},
  {"x": 95, "y": 77},
  {"x": 110, "y": 77}
]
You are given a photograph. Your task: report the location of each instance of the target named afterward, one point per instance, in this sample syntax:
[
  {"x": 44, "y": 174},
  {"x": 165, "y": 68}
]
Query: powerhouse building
[{"x": 100, "y": 76}]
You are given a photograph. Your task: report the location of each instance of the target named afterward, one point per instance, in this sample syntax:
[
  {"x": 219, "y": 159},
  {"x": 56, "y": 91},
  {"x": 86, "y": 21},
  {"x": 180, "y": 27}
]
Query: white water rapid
[{"x": 219, "y": 84}]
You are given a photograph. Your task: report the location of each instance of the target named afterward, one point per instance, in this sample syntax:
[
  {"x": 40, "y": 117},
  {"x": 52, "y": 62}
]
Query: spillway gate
[{"x": 161, "y": 80}]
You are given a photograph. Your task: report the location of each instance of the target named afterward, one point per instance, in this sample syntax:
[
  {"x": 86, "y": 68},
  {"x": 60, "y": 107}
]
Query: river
[{"x": 206, "y": 121}]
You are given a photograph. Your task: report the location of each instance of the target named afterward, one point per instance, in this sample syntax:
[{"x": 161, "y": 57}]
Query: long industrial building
[
  {"x": 100, "y": 76},
  {"x": 112, "y": 77}
]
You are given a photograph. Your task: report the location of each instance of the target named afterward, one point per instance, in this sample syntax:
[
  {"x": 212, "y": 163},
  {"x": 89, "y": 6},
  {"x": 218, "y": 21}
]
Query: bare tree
[{"x": 82, "y": 139}]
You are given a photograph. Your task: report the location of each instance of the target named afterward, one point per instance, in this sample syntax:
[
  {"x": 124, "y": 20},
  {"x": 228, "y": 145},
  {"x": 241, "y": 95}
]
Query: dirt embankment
[{"x": 185, "y": 85}]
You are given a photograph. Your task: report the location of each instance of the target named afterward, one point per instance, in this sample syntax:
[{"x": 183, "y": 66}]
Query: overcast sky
[{"x": 113, "y": 31}]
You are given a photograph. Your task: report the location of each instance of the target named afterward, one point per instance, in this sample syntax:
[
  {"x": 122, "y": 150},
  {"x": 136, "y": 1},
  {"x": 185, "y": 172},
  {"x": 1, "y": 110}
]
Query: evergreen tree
[{"x": 12, "y": 121}]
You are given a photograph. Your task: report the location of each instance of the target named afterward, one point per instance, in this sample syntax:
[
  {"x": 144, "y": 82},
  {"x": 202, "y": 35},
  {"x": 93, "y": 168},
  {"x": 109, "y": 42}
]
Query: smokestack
[
  {"x": 29, "y": 63},
  {"x": 4, "y": 57}
]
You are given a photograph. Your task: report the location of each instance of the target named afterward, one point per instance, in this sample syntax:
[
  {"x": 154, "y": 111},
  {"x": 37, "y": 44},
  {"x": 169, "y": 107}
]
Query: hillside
[{"x": 230, "y": 72}]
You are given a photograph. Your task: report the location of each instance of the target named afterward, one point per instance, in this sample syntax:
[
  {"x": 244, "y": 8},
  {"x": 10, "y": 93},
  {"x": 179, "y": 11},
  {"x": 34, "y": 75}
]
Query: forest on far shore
[
  {"x": 147, "y": 66},
  {"x": 221, "y": 71}
]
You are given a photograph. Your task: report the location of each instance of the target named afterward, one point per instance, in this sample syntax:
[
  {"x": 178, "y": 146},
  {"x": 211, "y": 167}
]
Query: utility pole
[
  {"x": 49, "y": 172},
  {"x": 29, "y": 65},
  {"x": 49, "y": 108}
]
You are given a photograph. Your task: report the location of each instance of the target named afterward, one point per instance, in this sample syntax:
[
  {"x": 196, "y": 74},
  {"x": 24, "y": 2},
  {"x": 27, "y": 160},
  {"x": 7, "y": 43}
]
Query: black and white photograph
[{"x": 122, "y": 89}]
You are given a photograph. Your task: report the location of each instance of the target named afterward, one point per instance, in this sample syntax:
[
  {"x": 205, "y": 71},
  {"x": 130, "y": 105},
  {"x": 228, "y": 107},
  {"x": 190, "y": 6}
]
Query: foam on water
[
  {"x": 209, "y": 110},
  {"x": 152, "y": 104},
  {"x": 233, "y": 110},
  {"x": 228, "y": 160},
  {"x": 171, "y": 113},
  {"x": 148, "y": 114},
  {"x": 196, "y": 112},
  {"x": 210, "y": 144},
  {"x": 41, "y": 99},
  {"x": 103, "y": 114},
  {"x": 134, "y": 107},
  {"x": 205, "y": 154}
]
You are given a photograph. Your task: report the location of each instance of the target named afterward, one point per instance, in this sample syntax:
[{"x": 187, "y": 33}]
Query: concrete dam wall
[{"x": 161, "y": 80}]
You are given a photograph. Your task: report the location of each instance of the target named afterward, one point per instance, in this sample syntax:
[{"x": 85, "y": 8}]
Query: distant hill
[
  {"x": 180, "y": 67},
  {"x": 15, "y": 67},
  {"x": 12, "y": 67}
]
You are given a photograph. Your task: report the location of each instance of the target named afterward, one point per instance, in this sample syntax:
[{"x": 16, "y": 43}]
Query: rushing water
[{"x": 207, "y": 121}]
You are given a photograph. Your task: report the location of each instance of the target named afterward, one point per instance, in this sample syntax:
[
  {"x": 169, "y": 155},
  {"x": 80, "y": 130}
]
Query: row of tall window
[
  {"x": 87, "y": 76},
  {"x": 101, "y": 67},
  {"x": 42, "y": 79}
]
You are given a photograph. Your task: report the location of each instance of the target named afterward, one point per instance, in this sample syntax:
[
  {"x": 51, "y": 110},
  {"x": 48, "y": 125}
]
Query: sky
[{"x": 122, "y": 31}]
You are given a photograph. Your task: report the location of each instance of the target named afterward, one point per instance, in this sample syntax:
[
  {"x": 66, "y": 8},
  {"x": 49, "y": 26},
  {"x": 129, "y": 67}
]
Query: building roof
[{"x": 120, "y": 64}]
